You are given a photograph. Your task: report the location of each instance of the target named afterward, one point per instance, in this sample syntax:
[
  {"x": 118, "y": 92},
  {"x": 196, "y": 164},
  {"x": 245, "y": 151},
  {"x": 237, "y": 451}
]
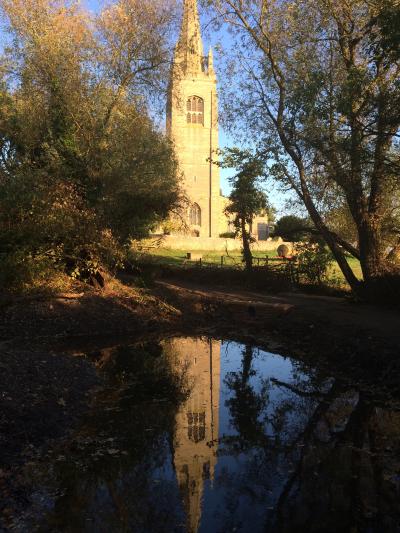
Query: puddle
[{"x": 200, "y": 435}]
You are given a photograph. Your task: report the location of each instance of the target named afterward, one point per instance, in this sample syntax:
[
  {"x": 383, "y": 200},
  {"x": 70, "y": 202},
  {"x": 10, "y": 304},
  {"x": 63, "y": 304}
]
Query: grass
[
  {"x": 335, "y": 275},
  {"x": 164, "y": 256},
  {"x": 178, "y": 257}
]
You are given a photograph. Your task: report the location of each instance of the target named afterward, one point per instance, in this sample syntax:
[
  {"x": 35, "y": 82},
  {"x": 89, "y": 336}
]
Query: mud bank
[{"x": 48, "y": 384}]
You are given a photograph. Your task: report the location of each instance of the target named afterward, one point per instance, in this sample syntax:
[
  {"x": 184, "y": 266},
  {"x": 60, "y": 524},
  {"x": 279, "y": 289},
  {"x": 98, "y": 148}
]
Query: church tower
[
  {"x": 192, "y": 124},
  {"x": 196, "y": 436}
]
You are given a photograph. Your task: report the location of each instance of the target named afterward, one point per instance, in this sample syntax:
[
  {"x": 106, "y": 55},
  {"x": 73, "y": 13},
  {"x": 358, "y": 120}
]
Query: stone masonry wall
[{"x": 188, "y": 244}]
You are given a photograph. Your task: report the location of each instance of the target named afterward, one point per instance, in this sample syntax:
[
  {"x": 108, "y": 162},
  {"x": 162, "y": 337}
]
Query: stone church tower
[
  {"x": 192, "y": 124},
  {"x": 197, "y": 422}
]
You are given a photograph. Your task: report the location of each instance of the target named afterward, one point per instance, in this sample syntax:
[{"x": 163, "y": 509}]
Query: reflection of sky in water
[
  {"x": 265, "y": 365},
  {"x": 190, "y": 481},
  {"x": 251, "y": 430},
  {"x": 243, "y": 488}
]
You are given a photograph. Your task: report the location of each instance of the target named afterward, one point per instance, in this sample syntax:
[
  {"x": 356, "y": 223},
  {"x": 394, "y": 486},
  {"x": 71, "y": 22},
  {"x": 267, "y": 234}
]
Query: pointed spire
[
  {"x": 189, "y": 50},
  {"x": 210, "y": 62}
]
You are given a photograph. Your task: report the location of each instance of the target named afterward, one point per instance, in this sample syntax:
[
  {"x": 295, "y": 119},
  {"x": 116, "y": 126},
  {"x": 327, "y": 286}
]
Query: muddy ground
[{"x": 46, "y": 384}]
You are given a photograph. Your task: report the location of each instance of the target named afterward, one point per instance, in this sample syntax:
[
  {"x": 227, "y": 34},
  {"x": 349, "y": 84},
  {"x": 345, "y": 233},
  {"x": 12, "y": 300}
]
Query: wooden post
[{"x": 222, "y": 260}]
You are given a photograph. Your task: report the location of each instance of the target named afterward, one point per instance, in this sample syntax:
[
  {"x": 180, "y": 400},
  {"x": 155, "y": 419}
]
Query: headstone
[{"x": 194, "y": 256}]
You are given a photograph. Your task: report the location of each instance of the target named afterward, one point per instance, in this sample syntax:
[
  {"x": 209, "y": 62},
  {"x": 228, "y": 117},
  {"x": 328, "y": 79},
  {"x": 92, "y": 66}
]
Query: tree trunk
[
  {"x": 326, "y": 234},
  {"x": 340, "y": 258},
  {"x": 371, "y": 257},
  {"x": 305, "y": 195},
  {"x": 246, "y": 364},
  {"x": 248, "y": 258}
]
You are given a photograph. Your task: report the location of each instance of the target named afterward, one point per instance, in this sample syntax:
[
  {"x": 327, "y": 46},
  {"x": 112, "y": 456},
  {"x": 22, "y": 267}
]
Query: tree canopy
[
  {"x": 82, "y": 166},
  {"x": 247, "y": 198},
  {"x": 293, "y": 228},
  {"x": 321, "y": 101}
]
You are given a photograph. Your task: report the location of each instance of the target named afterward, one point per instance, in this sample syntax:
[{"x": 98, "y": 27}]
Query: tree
[
  {"x": 82, "y": 166},
  {"x": 293, "y": 228},
  {"x": 271, "y": 213},
  {"x": 246, "y": 199},
  {"x": 323, "y": 106},
  {"x": 247, "y": 405},
  {"x": 385, "y": 29}
]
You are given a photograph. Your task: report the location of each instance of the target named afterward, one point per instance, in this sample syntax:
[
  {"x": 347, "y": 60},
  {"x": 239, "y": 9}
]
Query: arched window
[
  {"x": 195, "y": 215},
  {"x": 195, "y": 110}
]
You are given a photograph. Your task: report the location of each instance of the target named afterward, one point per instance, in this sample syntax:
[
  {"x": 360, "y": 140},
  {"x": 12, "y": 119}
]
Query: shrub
[
  {"x": 292, "y": 228},
  {"x": 314, "y": 261}
]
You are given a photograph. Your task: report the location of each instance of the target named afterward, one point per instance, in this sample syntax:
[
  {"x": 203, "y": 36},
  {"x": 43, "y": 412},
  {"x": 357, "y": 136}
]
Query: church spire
[
  {"x": 210, "y": 62},
  {"x": 189, "y": 50}
]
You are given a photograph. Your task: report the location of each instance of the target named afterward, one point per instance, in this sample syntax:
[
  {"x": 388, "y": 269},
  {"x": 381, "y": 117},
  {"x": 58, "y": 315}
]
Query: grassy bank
[{"x": 178, "y": 258}]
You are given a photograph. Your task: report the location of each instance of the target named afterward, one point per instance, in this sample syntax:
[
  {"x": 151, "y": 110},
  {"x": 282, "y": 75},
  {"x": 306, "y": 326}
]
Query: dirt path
[
  {"x": 355, "y": 342},
  {"x": 334, "y": 312}
]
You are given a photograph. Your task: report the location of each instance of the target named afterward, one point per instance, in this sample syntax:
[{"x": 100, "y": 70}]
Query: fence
[{"x": 271, "y": 267}]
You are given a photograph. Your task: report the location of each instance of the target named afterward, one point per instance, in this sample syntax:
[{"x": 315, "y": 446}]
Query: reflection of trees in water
[
  {"x": 318, "y": 456},
  {"x": 109, "y": 477},
  {"x": 344, "y": 475},
  {"x": 246, "y": 405},
  {"x": 331, "y": 464}
]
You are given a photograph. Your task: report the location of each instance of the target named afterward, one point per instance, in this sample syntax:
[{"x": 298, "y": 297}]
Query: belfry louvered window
[
  {"x": 195, "y": 110},
  {"x": 196, "y": 426}
]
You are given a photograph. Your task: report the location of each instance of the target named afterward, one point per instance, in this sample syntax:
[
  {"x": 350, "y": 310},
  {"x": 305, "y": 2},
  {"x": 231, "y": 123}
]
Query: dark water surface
[{"x": 203, "y": 435}]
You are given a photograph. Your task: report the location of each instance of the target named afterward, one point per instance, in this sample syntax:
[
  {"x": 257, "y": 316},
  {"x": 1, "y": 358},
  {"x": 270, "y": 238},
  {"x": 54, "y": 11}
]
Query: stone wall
[{"x": 188, "y": 244}]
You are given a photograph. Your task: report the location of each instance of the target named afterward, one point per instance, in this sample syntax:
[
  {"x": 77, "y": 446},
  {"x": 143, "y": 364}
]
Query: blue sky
[{"x": 225, "y": 139}]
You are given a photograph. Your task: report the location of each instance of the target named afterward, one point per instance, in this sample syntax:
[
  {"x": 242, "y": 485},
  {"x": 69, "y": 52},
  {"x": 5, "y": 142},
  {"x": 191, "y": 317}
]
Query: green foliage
[
  {"x": 338, "y": 219},
  {"x": 314, "y": 259},
  {"x": 385, "y": 29},
  {"x": 270, "y": 211},
  {"x": 247, "y": 198},
  {"x": 19, "y": 268},
  {"x": 292, "y": 228},
  {"x": 228, "y": 235},
  {"x": 82, "y": 167}
]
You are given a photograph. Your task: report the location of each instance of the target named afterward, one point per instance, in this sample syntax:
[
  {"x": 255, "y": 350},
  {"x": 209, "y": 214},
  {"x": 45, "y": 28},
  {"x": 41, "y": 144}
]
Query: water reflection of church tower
[{"x": 196, "y": 433}]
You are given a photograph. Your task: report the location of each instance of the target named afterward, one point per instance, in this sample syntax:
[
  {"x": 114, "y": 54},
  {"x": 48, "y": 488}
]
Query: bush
[
  {"x": 46, "y": 227},
  {"x": 314, "y": 261},
  {"x": 227, "y": 235},
  {"x": 18, "y": 269},
  {"x": 292, "y": 228}
]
